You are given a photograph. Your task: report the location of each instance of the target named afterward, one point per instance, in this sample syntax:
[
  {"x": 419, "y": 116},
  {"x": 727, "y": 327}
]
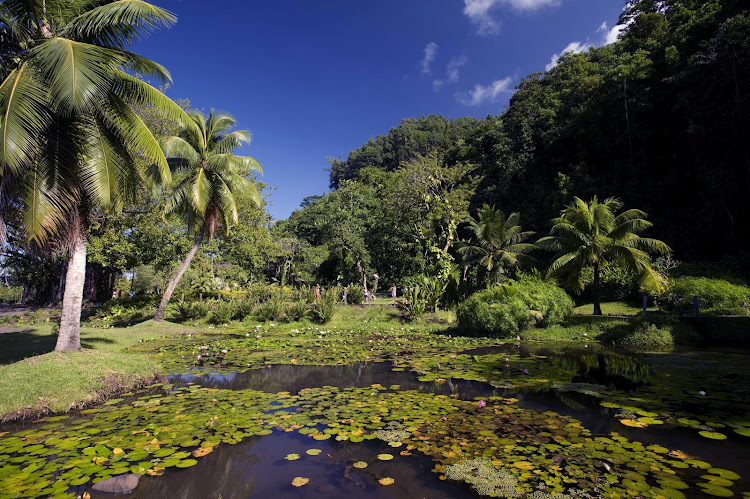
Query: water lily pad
[
  {"x": 292, "y": 457},
  {"x": 360, "y": 465},
  {"x": 713, "y": 435},
  {"x": 202, "y": 451},
  {"x": 186, "y": 463},
  {"x": 300, "y": 481},
  {"x": 313, "y": 452},
  {"x": 385, "y": 457},
  {"x": 727, "y": 474},
  {"x": 745, "y": 432},
  {"x": 715, "y": 490},
  {"x": 386, "y": 481}
]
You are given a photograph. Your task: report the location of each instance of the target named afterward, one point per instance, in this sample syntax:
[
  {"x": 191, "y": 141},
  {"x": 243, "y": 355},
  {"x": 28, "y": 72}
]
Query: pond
[{"x": 411, "y": 417}]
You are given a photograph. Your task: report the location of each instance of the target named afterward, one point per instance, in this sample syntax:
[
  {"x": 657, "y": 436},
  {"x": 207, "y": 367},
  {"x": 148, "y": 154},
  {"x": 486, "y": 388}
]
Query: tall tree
[
  {"x": 589, "y": 234},
  {"x": 69, "y": 137},
  {"x": 213, "y": 182},
  {"x": 497, "y": 242}
]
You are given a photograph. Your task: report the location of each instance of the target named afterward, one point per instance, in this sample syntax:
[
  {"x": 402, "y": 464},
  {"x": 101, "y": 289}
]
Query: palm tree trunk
[
  {"x": 69, "y": 337},
  {"x": 176, "y": 279},
  {"x": 597, "y": 300}
]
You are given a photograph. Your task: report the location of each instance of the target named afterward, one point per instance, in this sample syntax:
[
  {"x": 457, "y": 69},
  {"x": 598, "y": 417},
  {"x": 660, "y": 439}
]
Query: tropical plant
[
  {"x": 70, "y": 140},
  {"x": 589, "y": 234},
  {"x": 415, "y": 302},
  {"x": 497, "y": 243},
  {"x": 322, "y": 310},
  {"x": 214, "y": 180}
]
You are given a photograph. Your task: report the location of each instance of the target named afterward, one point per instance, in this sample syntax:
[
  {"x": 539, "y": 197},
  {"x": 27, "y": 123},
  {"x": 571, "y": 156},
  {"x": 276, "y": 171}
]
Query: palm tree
[
  {"x": 69, "y": 137},
  {"x": 213, "y": 182},
  {"x": 589, "y": 234},
  {"x": 497, "y": 243}
]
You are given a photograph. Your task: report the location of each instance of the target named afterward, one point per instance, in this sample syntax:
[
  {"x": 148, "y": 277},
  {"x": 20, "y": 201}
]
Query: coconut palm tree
[
  {"x": 69, "y": 137},
  {"x": 213, "y": 181},
  {"x": 589, "y": 234},
  {"x": 497, "y": 243}
]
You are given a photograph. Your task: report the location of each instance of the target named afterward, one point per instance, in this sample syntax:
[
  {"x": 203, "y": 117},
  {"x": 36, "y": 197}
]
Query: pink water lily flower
[{"x": 482, "y": 404}]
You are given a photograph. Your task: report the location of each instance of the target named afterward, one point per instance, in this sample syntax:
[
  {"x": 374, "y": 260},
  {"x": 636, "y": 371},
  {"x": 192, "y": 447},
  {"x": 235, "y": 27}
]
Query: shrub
[
  {"x": 505, "y": 309},
  {"x": 715, "y": 297},
  {"x": 551, "y": 302},
  {"x": 270, "y": 310},
  {"x": 296, "y": 311},
  {"x": 221, "y": 311},
  {"x": 242, "y": 308},
  {"x": 652, "y": 334},
  {"x": 615, "y": 283},
  {"x": 322, "y": 311},
  {"x": 355, "y": 295},
  {"x": 191, "y": 310},
  {"x": 415, "y": 302}
]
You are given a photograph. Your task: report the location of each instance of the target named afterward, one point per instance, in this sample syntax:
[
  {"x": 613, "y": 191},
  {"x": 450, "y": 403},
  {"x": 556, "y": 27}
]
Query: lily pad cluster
[{"x": 173, "y": 428}]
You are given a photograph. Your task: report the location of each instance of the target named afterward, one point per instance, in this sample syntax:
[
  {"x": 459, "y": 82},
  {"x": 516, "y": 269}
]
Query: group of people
[{"x": 369, "y": 295}]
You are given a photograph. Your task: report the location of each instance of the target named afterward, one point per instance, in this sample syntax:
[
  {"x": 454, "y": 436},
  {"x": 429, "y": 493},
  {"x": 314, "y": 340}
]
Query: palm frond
[
  {"x": 24, "y": 117},
  {"x": 117, "y": 24}
]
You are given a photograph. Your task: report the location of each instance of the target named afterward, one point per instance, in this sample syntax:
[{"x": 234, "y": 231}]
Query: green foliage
[
  {"x": 322, "y": 311},
  {"x": 221, "y": 312},
  {"x": 191, "y": 310},
  {"x": 505, "y": 309},
  {"x": 715, "y": 297},
  {"x": 497, "y": 311},
  {"x": 415, "y": 302},
  {"x": 270, "y": 310},
  {"x": 615, "y": 283},
  {"x": 297, "y": 310},
  {"x": 355, "y": 295},
  {"x": 122, "y": 312},
  {"x": 652, "y": 334}
]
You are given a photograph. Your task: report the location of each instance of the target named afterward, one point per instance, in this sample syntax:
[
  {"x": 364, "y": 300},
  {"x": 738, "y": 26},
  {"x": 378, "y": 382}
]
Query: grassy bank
[
  {"x": 37, "y": 380},
  {"x": 60, "y": 381}
]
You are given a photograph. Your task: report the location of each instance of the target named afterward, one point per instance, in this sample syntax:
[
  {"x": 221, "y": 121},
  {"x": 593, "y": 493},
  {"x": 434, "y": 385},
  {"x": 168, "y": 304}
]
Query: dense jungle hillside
[{"x": 660, "y": 119}]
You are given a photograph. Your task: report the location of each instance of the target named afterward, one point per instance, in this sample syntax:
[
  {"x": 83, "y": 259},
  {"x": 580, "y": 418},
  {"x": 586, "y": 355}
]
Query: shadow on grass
[{"x": 18, "y": 345}]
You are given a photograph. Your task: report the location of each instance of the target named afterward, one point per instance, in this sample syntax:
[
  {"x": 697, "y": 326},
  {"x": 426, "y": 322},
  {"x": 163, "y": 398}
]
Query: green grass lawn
[
  {"x": 615, "y": 308},
  {"x": 35, "y": 379}
]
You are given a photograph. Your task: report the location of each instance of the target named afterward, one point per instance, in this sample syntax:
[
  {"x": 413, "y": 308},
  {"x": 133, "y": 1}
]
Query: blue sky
[{"x": 313, "y": 79}]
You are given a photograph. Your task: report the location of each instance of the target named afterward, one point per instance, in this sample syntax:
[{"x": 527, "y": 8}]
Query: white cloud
[
  {"x": 574, "y": 47},
  {"x": 478, "y": 11},
  {"x": 611, "y": 35},
  {"x": 430, "y": 51},
  {"x": 452, "y": 72},
  {"x": 482, "y": 93}
]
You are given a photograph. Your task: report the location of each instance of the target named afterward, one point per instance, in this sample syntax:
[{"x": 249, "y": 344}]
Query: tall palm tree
[
  {"x": 213, "y": 181},
  {"x": 497, "y": 243},
  {"x": 69, "y": 137},
  {"x": 589, "y": 234}
]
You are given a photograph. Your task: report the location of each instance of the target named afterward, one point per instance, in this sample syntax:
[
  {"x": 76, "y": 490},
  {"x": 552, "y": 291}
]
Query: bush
[
  {"x": 503, "y": 310},
  {"x": 221, "y": 311},
  {"x": 415, "y": 302},
  {"x": 322, "y": 311},
  {"x": 296, "y": 311},
  {"x": 243, "y": 307},
  {"x": 270, "y": 310},
  {"x": 652, "y": 335},
  {"x": 355, "y": 295},
  {"x": 191, "y": 310},
  {"x": 715, "y": 297},
  {"x": 615, "y": 283}
]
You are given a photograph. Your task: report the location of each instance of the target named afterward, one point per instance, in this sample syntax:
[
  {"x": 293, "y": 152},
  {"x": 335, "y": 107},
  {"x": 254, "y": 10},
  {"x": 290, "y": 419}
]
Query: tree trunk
[
  {"x": 597, "y": 301},
  {"x": 176, "y": 279},
  {"x": 69, "y": 337}
]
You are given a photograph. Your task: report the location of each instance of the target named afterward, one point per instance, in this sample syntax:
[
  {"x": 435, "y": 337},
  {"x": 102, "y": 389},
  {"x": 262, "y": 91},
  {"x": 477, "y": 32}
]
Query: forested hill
[{"x": 661, "y": 119}]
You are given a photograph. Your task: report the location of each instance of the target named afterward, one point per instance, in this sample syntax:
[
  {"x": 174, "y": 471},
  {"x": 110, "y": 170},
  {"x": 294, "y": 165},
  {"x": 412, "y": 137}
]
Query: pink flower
[
  {"x": 453, "y": 356},
  {"x": 518, "y": 338},
  {"x": 198, "y": 357},
  {"x": 224, "y": 351},
  {"x": 526, "y": 371},
  {"x": 482, "y": 403}
]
